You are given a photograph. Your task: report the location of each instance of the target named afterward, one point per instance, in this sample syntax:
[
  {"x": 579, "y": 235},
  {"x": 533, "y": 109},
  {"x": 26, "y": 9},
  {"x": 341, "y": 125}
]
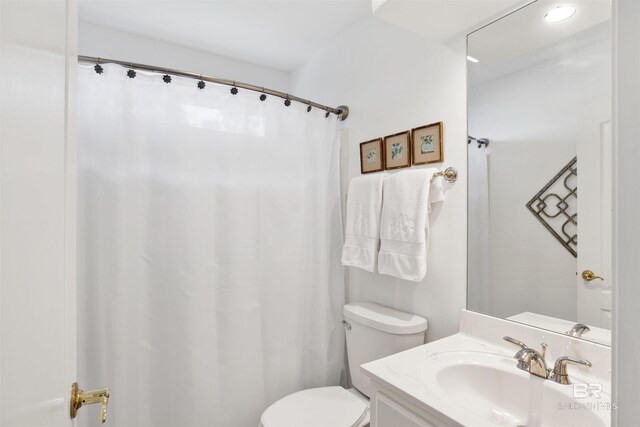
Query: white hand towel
[
  {"x": 436, "y": 194},
  {"x": 404, "y": 229},
  {"x": 362, "y": 230}
]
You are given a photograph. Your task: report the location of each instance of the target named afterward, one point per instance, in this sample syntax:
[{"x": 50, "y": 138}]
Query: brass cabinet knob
[
  {"x": 80, "y": 398},
  {"x": 589, "y": 275}
]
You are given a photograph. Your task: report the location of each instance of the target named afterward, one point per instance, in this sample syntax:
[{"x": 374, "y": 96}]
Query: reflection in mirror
[{"x": 539, "y": 96}]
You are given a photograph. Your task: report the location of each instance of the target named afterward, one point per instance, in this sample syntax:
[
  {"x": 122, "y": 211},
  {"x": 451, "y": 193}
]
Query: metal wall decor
[{"x": 556, "y": 207}]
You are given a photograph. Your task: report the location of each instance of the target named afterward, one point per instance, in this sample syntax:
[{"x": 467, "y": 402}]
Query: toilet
[{"x": 373, "y": 332}]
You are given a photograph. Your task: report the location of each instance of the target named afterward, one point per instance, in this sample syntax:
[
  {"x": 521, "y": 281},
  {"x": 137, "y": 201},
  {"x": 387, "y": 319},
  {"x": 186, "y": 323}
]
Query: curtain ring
[
  {"x": 98, "y": 68},
  {"x": 234, "y": 89},
  {"x": 131, "y": 73},
  {"x": 309, "y": 107},
  {"x": 287, "y": 101},
  {"x": 263, "y": 96},
  {"x": 201, "y": 83}
]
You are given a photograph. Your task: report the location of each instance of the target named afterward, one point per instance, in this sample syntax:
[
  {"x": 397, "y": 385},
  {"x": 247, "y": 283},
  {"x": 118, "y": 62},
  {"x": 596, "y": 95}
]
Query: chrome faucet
[
  {"x": 578, "y": 329},
  {"x": 530, "y": 360},
  {"x": 560, "y": 368}
]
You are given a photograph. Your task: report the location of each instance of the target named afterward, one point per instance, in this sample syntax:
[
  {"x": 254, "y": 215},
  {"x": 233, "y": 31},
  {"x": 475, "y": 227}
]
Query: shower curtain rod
[{"x": 342, "y": 111}]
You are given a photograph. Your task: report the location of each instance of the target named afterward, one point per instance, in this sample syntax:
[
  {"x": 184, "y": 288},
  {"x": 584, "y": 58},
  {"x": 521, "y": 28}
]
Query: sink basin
[{"x": 494, "y": 389}]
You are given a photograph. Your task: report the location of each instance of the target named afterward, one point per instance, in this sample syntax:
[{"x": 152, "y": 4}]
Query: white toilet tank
[{"x": 374, "y": 332}]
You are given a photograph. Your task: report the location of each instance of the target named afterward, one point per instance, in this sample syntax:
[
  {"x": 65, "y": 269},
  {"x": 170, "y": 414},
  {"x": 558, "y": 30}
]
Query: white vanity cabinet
[{"x": 388, "y": 409}]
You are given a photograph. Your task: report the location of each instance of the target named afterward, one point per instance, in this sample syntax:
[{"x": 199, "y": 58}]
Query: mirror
[{"x": 540, "y": 177}]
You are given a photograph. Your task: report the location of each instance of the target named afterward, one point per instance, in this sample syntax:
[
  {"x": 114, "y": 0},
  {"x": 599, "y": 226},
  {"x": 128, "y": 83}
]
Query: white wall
[
  {"x": 394, "y": 80},
  {"x": 532, "y": 119},
  {"x": 626, "y": 291},
  {"x": 95, "y": 40}
]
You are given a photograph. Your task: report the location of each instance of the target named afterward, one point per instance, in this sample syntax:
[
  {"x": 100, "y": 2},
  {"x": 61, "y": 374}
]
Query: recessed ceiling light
[
  {"x": 560, "y": 13},
  {"x": 472, "y": 59}
]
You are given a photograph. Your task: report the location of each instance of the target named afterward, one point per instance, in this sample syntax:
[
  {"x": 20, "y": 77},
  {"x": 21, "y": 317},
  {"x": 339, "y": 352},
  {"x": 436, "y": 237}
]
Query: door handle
[
  {"x": 79, "y": 398},
  {"x": 589, "y": 275}
]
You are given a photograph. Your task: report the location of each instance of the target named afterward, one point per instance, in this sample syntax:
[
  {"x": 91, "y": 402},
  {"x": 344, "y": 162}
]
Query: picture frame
[
  {"x": 426, "y": 145},
  {"x": 371, "y": 156},
  {"x": 397, "y": 150}
]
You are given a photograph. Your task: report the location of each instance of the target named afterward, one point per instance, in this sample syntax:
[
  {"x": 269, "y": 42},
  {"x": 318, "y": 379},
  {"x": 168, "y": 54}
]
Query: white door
[
  {"x": 37, "y": 212},
  {"x": 594, "y": 213}
]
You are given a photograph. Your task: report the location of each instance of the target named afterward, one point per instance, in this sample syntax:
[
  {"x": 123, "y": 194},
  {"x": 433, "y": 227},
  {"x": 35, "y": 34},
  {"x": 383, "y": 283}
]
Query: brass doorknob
[
  {"x": 589, "y": 275},
  {"x": 80, "y": 398}
]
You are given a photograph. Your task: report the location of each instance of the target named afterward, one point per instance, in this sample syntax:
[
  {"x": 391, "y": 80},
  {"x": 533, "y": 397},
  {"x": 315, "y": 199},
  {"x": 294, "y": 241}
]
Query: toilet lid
[{"x": 315, "y": 407}]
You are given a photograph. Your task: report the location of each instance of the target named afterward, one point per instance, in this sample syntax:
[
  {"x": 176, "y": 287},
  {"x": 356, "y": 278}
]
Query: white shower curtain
[{"x": 210, "y": 282}]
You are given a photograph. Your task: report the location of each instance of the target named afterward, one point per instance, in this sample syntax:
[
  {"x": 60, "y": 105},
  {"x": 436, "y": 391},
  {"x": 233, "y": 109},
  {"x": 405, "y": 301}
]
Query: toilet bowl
[
  {"x": 318, "y": 407},
  {"x": 373, "y": 332}
]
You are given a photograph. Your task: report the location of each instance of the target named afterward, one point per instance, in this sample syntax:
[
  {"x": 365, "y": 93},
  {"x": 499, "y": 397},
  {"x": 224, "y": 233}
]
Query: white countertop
[{"x": 405, "y": 373}]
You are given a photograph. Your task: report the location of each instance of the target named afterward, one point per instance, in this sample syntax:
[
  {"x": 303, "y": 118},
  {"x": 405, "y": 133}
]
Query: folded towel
[
  {"x": 362, "y": 229},
  {"x": 404, "y": 228}
]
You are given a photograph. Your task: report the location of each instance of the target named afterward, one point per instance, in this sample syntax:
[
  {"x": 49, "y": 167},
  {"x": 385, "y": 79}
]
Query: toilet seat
[{"x": 316, "y": 407}]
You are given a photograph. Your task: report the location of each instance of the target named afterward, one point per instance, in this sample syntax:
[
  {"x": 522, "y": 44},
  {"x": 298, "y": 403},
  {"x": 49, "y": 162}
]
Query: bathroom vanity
[{"x": 472, "y": 379}]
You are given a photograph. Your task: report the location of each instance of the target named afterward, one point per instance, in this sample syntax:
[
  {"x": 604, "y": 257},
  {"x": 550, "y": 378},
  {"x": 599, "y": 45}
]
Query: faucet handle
[
  {"x": 544, "y": 346},
  {"x": 515, "y": 341},
  {"x": 560, "y": 374}
]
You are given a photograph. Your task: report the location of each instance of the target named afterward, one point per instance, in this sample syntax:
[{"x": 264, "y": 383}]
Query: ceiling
[
  {"x": 524, "y": 39},
  {"x": 441, "y": 20},
  {"x": 273, "y": 33},
  {"x": 283, "y": 34},
  {"x": 526, "y": 30}
]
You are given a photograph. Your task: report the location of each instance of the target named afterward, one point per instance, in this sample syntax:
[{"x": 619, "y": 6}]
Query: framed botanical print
[
  {"x": 371, "y": 156},
  {"x": 426, "y": 144},
  {"x": 397, "y": 151}
]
